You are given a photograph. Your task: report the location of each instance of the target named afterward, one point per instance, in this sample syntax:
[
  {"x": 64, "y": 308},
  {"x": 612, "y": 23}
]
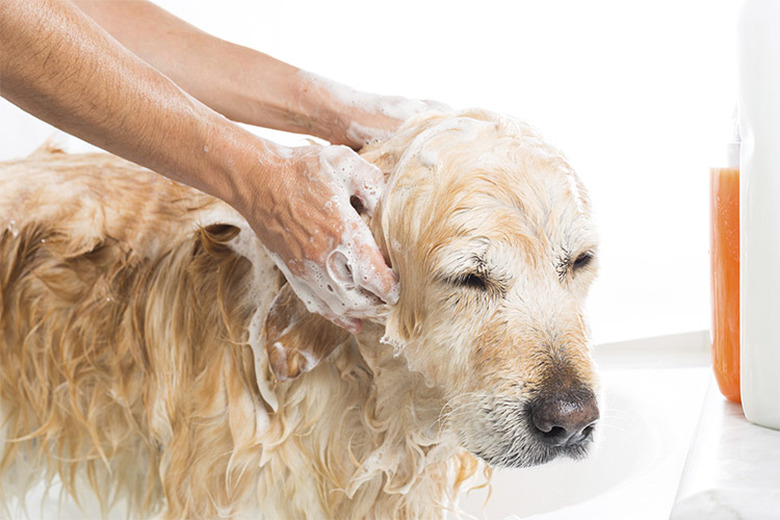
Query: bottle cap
[{"x": 732, "y": 149}]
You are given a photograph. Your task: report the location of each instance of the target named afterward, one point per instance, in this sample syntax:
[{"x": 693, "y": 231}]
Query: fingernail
[{"x": 385, "y": 288}]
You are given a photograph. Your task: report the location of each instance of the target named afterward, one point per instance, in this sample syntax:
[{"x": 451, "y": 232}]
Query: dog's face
[{"x": 490, "y": 233}]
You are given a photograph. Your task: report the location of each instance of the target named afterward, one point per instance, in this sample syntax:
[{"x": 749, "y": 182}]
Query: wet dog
[{"x": 152, "y": 353}]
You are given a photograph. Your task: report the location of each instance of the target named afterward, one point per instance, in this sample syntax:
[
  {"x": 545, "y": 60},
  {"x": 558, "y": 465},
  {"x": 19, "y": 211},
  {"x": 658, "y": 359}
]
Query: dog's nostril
[
  {"x": 556, "y": 435},
  {"x": 566, "y": 419},
  {"x": 588, "y": 430}
]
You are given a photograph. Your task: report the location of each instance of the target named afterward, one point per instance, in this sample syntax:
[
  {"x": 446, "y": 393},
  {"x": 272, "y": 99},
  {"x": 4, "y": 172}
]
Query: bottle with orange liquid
[{"x": 724, "y": 258}]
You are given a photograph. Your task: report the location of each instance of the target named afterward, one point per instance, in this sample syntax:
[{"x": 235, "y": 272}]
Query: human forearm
[
  {"x": 246, "y": 85},
  {"x": 92, "y": 87},
  {"x": 242, "y": 84}
]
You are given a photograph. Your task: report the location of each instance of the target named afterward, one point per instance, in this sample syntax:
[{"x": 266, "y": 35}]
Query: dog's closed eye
[
  {"x": 569, "y": 266},
  {"x": 583, "y": 260},
  {"x": 479, "y": 280},
  {"x": 471, "y": 280},
  {"x": 471, "y": 272}
]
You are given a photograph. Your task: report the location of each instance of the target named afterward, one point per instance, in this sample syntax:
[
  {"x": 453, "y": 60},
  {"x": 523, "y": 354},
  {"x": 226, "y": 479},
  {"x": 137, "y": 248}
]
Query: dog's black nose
[{"x": 566, "y": 419}]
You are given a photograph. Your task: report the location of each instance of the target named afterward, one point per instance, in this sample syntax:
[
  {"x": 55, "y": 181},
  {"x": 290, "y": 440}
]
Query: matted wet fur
[{"x": 138, "y": 318}]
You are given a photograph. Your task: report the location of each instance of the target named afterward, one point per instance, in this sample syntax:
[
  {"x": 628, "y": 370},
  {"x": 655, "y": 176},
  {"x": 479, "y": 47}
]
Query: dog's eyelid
[
  {"x": 583, "y": 259},
  {"x": 481, "y": 281},
  {"x": 479, "y": 278},
  {"x": 474, "y": 280}
]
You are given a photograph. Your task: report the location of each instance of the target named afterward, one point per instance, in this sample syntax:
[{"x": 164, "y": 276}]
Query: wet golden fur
[{"x": 131, "y": 357}]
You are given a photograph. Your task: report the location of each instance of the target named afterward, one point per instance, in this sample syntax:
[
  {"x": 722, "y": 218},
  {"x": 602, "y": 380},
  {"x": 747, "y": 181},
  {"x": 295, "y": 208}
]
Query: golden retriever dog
[{"x": 153, "y": 356}]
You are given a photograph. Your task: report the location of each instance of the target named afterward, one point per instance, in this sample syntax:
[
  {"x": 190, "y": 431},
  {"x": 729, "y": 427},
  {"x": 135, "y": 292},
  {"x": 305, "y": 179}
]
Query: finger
[
  {"x": 352, "y": 325},
  {"x": 367, "y": 185},
  {"x": 309, "y": 292},
  {"x": 344, "y": 280},
  {"x": 361, "y": 178},
  {"x": 315, "y": 303},
  {"x": 372, "y": 274},
  {"x": 360, "y": 256},
  {"x": 322, "y": 307}
]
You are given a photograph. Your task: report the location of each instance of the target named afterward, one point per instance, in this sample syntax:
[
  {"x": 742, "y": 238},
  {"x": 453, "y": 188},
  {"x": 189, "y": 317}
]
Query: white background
[{"x": 638, "y": 95}]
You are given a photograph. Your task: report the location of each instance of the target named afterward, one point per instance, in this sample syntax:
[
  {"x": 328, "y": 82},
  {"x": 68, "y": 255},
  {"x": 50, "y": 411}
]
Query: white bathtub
[{"x": 653, "y": 391}]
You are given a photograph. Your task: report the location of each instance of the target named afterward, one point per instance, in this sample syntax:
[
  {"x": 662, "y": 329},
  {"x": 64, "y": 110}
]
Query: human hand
[
  {"x": 360, "y": 118},
  {"x": 318, "y": 239},
  {"x": 373, "y": 118}
]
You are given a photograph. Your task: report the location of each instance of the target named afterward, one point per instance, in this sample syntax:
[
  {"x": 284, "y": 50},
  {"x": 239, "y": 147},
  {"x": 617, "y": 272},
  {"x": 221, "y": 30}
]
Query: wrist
[
  {"x": 353, "y": 118},
  {"x": 251, "y": 173}
]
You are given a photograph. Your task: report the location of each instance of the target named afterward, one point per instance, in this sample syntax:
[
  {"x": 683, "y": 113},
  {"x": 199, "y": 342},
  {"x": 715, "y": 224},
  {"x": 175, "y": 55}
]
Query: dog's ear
[{"x": 296, "y": 340}]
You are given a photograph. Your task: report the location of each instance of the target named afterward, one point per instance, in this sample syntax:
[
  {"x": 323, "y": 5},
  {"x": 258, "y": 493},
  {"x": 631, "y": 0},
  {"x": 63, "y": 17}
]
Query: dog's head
[{"x": 490, "y": 233}]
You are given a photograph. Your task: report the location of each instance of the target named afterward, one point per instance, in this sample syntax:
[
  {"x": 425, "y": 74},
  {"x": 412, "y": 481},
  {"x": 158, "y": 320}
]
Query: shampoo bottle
[
  {"x": 759, "y": 108},
  {"x": 724, "y": 268}
]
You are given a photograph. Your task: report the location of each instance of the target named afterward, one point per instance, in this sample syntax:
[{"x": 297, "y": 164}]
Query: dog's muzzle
[{"x": 538, "y": 430}]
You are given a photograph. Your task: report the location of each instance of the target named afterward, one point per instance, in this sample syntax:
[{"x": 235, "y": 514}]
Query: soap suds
[
  {"x": 395, "y": 107},
  {"x": 367, "y": 135},
  {"x": 342, "y": 287},
  {"x": 427, "y": 146}
]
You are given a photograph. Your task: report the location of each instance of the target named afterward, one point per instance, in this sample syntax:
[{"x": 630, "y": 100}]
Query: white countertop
[{"x": 733, "y": 467}]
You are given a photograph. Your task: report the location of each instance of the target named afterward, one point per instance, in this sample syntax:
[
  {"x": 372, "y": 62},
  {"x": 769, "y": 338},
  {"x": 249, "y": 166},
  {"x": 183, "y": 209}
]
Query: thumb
[{"x": 370, "y": 271}]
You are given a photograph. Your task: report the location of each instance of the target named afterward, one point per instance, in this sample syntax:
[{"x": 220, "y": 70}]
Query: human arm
[
  {"x": 59, "y": 65},
  {"x": 246, "y": 85}
]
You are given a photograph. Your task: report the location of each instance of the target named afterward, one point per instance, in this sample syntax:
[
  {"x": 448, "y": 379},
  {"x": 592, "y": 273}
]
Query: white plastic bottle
[{"x": 759, "y": 107}]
